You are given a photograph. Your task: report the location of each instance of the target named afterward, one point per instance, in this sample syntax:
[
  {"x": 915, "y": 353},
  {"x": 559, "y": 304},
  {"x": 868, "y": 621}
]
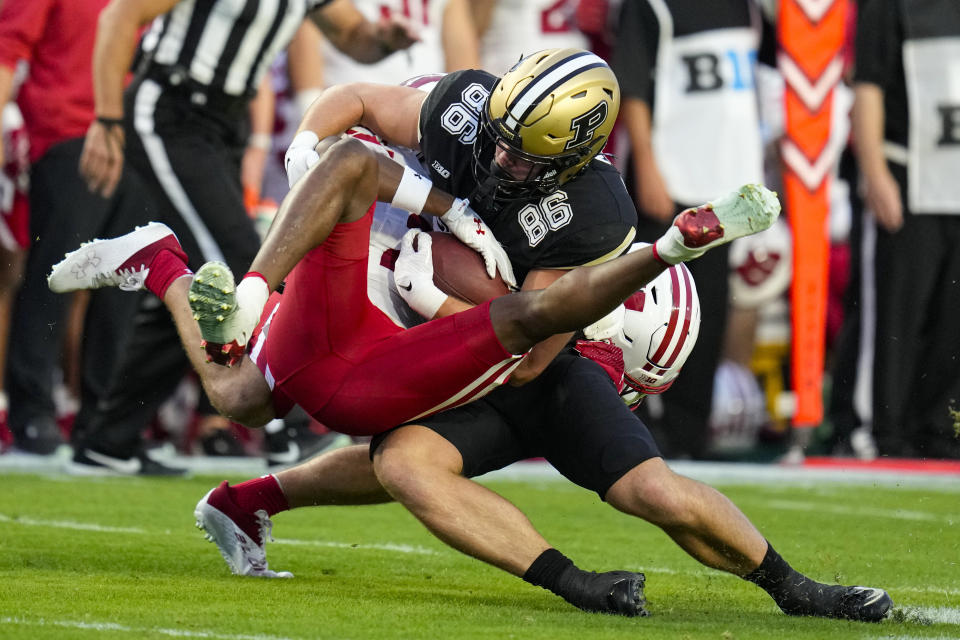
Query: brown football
[{"x": 458, "y": 271}]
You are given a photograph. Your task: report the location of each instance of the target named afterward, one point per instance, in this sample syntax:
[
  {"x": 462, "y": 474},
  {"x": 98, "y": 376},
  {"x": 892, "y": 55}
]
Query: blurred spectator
[
  {"x": 183, "y": 125},
  {"x": 296, "y": 79},
  {"x": 690, "y": 112},
  {"x": 447, "y": 42},
  {"x": 906, "y": 121},
  {"x": 597, "y": 20},
  {"x": 56, "y": 38},
  {"x": 760, "y": 273},
  {"x": 14, "y": 234},
  {"x": 510, "y": 29}
]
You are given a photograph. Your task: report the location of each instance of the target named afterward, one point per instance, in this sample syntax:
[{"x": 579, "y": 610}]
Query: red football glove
[{"x": 607, "y": 355}]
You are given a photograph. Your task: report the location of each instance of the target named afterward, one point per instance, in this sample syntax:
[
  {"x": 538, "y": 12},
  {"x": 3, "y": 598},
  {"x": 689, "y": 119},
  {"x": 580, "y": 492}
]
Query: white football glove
[
  {"x": 464, "y": 223},
  {"x": 301, "y": 155},
  {"x": 413, "y": 274}
]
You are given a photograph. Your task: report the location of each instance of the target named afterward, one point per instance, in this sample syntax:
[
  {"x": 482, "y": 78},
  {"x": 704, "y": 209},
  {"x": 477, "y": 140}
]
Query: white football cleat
[
  {"x": 750, "y": 209},
  {"x": 226, "y": 312},
  {"x": 239, "y": 536},
  {"x": 122, "y": 262}
]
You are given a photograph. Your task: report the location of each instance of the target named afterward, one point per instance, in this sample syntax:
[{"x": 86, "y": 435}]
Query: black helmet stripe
[{"x": 548, "y": 80}]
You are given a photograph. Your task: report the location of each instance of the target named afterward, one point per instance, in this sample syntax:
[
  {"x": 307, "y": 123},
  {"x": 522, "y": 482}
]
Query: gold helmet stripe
[{"x": 531, "y": 95}]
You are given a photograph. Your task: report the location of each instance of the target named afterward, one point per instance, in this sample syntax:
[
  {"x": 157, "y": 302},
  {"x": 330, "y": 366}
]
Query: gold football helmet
[{"x": 551, "y": 113}]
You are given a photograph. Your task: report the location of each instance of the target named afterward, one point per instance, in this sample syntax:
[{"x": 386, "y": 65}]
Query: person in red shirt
[{"x": 55, "y": 38}]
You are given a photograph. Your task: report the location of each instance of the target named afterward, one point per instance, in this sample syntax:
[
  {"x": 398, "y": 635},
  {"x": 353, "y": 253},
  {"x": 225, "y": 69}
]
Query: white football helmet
[
  {"x": 656, "y": 329},
  {"x": 660, "y": 327}
]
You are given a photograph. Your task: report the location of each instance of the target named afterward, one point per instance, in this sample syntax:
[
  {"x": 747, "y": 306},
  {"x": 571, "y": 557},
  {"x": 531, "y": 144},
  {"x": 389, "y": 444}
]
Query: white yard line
[
  {"x": 389, "y": 546},
  {"x": 928, "y": 615},
  {"x": 393, "y": 547},
  {"x": 138, "y": 631},
  {"x": 896, "y": 514},
  {"x": 68, "y": 524}
]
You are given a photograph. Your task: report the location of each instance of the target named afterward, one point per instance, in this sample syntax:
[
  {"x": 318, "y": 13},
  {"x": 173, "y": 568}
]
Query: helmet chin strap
[{"x": 484, "y": 196}]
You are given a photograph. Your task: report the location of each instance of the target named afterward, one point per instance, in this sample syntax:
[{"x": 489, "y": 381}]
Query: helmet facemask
[
  {"x": 544, "y": 120},
  {"x": 505, "y": 184}
]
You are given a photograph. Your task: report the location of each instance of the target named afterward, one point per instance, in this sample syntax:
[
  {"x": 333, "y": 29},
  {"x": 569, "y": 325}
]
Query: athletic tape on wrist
[
  {"x": 670, "y": 250},
  {"x": 456, "y": 210},
  {"x": 412, "y": 192},
  {"x": 252, "y": 293},
  {"x": 256, "y": 274}
]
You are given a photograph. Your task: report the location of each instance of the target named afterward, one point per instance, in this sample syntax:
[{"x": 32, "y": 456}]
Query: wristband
[
  {"x": 109, "y": 123},
  {"x": 260, "y": 141},
  {"x": 412, "y": 192}
]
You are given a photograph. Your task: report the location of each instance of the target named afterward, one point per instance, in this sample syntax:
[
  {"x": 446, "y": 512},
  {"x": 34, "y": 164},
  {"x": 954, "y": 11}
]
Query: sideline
[{"x": 919, "y": 474}]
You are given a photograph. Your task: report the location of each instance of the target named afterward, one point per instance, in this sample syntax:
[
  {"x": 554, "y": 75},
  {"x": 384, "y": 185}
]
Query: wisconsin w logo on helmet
[{"x": 551, "y": 113}]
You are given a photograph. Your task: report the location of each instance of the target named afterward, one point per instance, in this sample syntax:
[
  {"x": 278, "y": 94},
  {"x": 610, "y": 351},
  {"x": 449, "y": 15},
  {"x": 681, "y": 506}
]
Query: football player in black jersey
[{"x": 525, "y": 149}]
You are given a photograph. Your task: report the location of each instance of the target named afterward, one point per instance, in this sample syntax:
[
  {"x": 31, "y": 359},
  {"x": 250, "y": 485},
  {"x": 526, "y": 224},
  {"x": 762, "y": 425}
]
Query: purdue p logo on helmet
[{"x": 554, "y": 108}]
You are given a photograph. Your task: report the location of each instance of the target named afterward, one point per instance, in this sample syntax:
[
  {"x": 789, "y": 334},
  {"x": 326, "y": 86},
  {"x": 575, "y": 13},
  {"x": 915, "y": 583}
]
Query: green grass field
[{"x": 120, "y": 558}]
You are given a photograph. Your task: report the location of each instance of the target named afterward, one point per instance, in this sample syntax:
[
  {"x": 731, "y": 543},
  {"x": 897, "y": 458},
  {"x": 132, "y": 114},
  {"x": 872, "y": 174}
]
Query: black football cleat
[
  {"x": 616, "y": 593},
  {"x": 863, "y": 604}
]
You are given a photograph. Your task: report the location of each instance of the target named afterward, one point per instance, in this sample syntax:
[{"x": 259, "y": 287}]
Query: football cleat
[
  {"x": 225, "y": 324},
  {"x": 40, "y": 436},
  {"x": 239, "y": 536},
  {"x": 750, "y": 209},
  {"x": 122, "y": 262},
  {"x": 88, "y": 462},
  {"x": 864, "y": 604},
  {"x": 615, "y": 592},
  {"x": 213, "y": 300},
  {"x": 295, "y": 441}
]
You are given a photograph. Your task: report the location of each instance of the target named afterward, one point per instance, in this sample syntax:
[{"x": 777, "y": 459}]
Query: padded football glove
[
  {"x": 413, "y": 274},
  {"x": 301, "y": 155},
  {"x": 464, "y": 223}
]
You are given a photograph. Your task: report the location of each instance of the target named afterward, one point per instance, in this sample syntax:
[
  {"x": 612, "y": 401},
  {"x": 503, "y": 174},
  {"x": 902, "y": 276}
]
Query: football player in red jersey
[{"x": 529, "y": 198}]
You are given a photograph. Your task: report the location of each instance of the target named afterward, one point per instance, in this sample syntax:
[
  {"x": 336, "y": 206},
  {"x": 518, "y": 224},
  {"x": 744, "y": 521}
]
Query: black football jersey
[{"x": 589, "y": 220}]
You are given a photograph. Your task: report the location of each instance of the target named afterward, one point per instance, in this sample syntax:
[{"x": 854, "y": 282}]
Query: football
[{"x": 458, "y": 271}]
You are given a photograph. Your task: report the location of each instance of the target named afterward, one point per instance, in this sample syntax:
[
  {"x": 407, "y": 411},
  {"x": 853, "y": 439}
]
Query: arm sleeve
[
  {"x": 876, "y": 42},
  {"x": 21, "y": 25},
  {"x": 634, "y": 54}
]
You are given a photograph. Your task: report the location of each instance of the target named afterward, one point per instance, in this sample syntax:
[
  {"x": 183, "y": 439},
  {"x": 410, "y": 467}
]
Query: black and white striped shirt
[{"x": 225, "y": 45}]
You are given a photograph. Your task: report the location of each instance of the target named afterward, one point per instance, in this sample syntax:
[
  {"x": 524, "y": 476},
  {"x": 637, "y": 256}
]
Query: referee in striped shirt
[{"x": 182, "y": 125}]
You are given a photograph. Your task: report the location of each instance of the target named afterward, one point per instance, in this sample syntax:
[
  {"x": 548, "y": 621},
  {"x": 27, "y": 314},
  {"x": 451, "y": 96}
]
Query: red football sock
[
  {"x": 260, "y": 493},
  {"x": 165, "y": 267}
]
